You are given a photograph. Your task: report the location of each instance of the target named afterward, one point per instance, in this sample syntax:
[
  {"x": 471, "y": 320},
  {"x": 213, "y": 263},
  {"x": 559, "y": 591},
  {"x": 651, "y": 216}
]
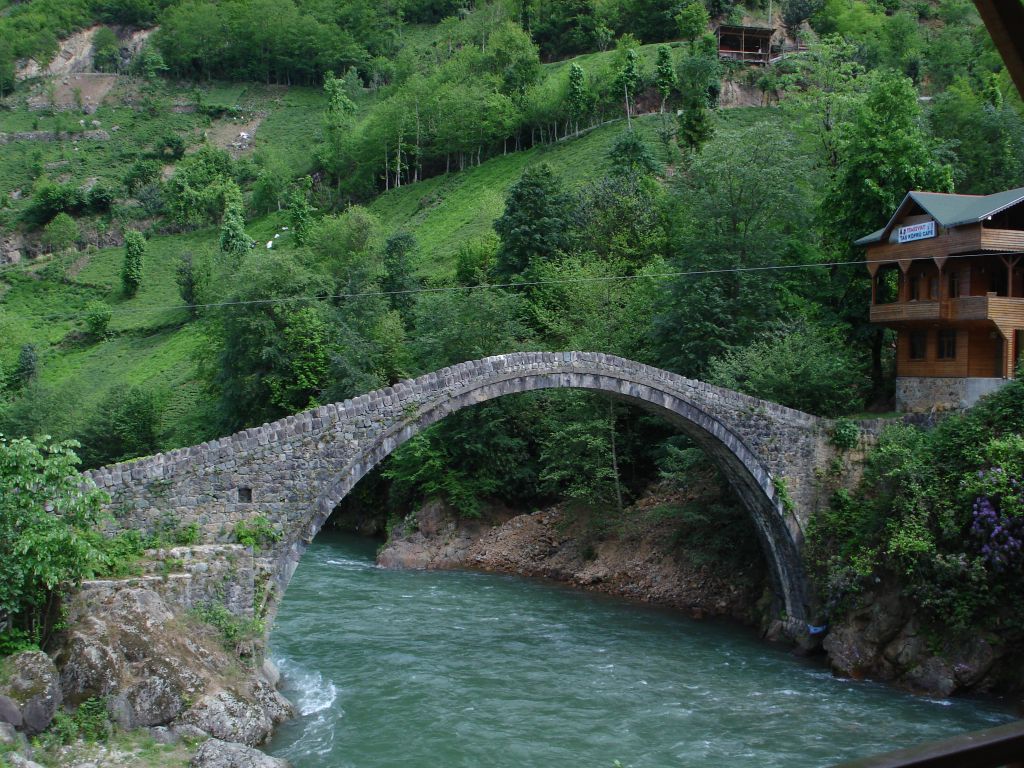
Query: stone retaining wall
[{"x": 191, "y": 577}]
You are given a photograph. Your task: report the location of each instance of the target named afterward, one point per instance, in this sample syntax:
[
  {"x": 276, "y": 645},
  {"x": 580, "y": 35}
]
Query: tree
[
  {"x": 796, "y": 12},
  {"x": 134, "y": 253},
  {"x": 106, "y": 50},
  {"x": 61, "y": 233},
  {"x": 698, "y": 79},
  {"x": 696, "y": 126},
  {"x": 191, "y": 276},
  {"x": 126, "y": 424},
  {"x": 27, "y": 369},
  {"x": 628, "y": 81},
  {"x": 399, "y": 279},
  {"x": 804, "y": 365},
  {"x": 578, "y": 97},
  {"x": 534, "y": 224},
  {"x": 692, "y": 20},
  {"x": 883, "y": 154},
  {"x": 48, "y": 514},
  {"x": 739, "y": 207},
  {"x": 985, "y": 134},
  {"x": 631, "y": 156},
  {"x": 665, "y": 74},
  {"x": 234, "y": 242},
  {"x": 97, "y": 318},
  {"x": 300, "y": 211}
]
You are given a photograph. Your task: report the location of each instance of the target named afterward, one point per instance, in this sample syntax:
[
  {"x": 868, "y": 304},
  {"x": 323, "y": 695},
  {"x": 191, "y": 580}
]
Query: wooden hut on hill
[
  {"x": 947, "y": 276},
  {"x": 751, "y": 45}
]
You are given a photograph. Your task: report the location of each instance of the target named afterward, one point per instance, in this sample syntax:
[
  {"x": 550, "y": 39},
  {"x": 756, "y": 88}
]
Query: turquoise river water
[{"x": 444, "y": 669}]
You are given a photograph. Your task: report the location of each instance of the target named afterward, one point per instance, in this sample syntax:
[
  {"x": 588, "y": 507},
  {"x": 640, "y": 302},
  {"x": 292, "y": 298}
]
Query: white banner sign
[{"x": 916, "y": 232}]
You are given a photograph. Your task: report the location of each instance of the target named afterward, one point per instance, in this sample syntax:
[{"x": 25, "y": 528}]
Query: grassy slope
[
  {"x": 445, "y": 211},
  {"x": 153, "y": 343}
]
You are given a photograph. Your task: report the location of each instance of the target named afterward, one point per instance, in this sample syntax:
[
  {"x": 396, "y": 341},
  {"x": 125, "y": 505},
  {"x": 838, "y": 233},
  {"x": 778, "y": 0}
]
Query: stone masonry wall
[
  {"x": 295, "y": 471},
  {"x": 921, "y": 394},
  {"x": 190, "y": 577}
]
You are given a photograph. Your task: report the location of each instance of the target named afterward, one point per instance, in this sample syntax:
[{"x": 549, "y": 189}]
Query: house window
[
  {"x": 918, "y": 345},
  {"x": 245, "y": 495},
  {"x": 954, "y": 285},
  {"x": 947, "y": 345}
]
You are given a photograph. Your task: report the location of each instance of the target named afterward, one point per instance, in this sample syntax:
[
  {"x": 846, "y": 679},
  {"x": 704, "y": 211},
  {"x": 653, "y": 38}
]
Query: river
[{"x": 446, "y": 669}]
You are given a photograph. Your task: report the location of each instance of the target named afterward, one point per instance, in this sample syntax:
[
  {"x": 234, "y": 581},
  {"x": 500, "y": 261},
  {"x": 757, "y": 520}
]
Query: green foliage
[
  {"x": 125, "y": 425},
  {"x": 630, "y": 155},
  {"x": 134, "y": 253},
  {"x": 140, "y": 174},
  {"x": 61, "y": 232},
  {"x": 692, "y": 20},
  {"x": 235, "y": 631},
  {"x": 195, "y": 194},
  {"x": 192, "y": 276},
  {"x": 106, "y": 50},
  {"x": 534, "y": 225},
  {"x": 234, "y": 242},
  {"x": 202, "y": 40},
  {"x": 844, "y": 434},
  {"x": 399, "y": 279},
  {"x": 985, "y": 134},
  {"x": 47, "y": 538},
  {"x": 809, "y": 367},
  {"x": 300, "y": 212},
  {"x": 665, "y": 73},
  {"x": 884, "y": 152},
  {"x": 97, "y": 319},
  {"x": 736, "y": 208},
  {"x": 93, "y": 720},
  {"x": 256, "y": 533},
  {"x": 919, "y": 517},
  {"x": 27, "y": 368}
]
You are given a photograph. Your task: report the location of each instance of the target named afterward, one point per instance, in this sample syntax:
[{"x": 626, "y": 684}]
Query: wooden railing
[
  {"x": 991, "y": 748},
  {"x": 905, "y": 311},
  {"x": 1001, "y": 310}
]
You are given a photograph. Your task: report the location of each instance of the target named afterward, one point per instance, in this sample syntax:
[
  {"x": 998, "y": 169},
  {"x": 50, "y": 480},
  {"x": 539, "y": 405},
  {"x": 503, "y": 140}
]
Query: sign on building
[{"x": 915, "y": 232}]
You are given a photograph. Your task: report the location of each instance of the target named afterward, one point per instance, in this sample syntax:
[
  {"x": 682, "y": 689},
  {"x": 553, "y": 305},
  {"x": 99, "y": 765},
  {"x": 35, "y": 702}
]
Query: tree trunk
[
  {"x": 615, "y": 458},
  {"x": 877, "y": 376}
]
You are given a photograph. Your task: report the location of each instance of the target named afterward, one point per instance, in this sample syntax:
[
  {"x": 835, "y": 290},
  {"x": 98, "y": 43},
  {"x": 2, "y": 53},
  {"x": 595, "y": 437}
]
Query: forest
[{"x": 614, "y": 202}]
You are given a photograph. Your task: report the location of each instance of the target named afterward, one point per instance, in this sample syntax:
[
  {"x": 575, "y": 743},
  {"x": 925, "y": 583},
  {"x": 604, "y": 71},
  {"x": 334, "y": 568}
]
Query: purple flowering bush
[{"x": 997, "y": 514}]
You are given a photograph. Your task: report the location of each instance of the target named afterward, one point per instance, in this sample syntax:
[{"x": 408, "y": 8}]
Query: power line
[{"x": 505, "y": 286}]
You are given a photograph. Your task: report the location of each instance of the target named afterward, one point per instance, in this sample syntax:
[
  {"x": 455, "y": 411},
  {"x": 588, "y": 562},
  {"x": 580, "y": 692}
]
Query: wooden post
[{"x": 1010, "y": 262}]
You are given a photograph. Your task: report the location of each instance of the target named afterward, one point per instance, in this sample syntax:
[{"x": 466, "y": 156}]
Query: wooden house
[
  {"x": 752, "y": 45},
  {"x": 947, "y": 276}
]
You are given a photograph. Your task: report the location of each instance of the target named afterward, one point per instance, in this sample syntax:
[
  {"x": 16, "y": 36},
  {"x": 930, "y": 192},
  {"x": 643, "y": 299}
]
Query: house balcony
[
  {"x": 906, "y": 312},
  {"x": 1002, "y": 310}
]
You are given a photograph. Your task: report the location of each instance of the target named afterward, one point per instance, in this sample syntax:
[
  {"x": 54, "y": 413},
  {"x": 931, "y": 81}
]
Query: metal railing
[{"x": 991, "y": 748}]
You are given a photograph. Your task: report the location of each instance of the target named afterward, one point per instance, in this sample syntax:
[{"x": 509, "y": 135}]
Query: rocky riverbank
[
  {"x": 645, "y": 557},
  {"x": 883, "y": 638},
  {"x": 141, "y": 664}
]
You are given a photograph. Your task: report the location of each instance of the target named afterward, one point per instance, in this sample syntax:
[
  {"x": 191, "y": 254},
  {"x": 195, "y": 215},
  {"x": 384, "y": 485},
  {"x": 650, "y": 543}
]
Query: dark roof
[
  {"x": 736, "y": 29},
  {"x": 949, "y": 210}
]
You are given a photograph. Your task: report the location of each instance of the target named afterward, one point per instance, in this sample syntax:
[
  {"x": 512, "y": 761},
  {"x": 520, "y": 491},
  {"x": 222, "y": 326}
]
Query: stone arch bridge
[{"x": 296, "y": 470}]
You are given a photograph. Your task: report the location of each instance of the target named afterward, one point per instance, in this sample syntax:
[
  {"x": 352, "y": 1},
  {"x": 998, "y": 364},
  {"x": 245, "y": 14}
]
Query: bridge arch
[
  {"x": 746, "y": 472},
  {"x": 295, "y": 471}
]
